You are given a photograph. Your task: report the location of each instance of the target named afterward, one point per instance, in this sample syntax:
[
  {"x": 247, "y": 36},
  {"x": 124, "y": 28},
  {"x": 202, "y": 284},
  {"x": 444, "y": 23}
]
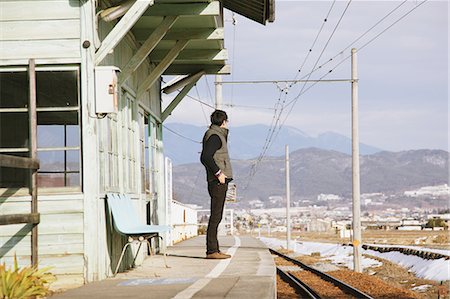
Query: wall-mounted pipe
[{"x": 115, "y": 12}]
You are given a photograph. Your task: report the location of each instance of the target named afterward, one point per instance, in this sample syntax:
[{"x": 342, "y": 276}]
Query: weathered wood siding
[
  {"x": 47, "y": 30},
  {"x": 120, "y": 57},
  {"x": 109, "y": 243},
  {"x": 76, "y": 236},
  {"x": 60, "y": 242}
]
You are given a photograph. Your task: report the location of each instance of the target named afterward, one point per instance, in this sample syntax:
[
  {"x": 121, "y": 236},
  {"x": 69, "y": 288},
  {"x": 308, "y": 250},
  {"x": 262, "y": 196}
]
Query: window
[
  {"x": 109, "y": 153},
  {"x": 118, "y": 145},
  {"x": 130, "y": 138},
  {"x": 153, "y": 161},
  {"x": 14, "y": 126},
  {"x": 58, "y": 127},
  {"x": 143, "y": 144}
]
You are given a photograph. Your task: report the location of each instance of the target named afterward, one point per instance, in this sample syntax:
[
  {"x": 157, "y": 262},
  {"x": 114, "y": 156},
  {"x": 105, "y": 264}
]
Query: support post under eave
[
  {"x": 33, "y": 155},
  {"x": 121, "y": 29},
  {"x": 161, "y": 67},
  {"x": 177, "y": 100}
]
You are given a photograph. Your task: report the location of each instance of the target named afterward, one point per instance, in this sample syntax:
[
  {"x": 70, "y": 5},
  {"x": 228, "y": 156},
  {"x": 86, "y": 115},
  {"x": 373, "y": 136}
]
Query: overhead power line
[
  {"x": 315, "y": 40},
  {"x": 180, "y": 135},
  {"x": 293, "y": 101},
  {"x": 201, "y": 106},
  {"x": 274, "y": 124},
  {"x": 248, "y": 106},
  {"x": 352, "y": 43},
  {"x": 280, "y": 81},
  {"x": 364, "y": 45}
]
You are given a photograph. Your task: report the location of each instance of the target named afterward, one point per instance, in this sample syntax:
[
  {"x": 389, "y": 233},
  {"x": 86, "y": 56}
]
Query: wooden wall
[
  {"x": 49, "y": 31},
  {"x": 75, "y": 233},
  {"x": 60, "y": 235},
  {"x": 109, "y": 242},
  {"x": 46, "y": 30}
]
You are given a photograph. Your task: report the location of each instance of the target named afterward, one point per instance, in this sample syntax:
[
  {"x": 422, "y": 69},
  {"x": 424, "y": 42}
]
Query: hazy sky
[{"x": 403, "y": 88}]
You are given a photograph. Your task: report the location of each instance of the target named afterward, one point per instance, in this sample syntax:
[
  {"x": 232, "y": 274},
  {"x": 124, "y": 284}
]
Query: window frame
[{"x": 21, "y": 191}]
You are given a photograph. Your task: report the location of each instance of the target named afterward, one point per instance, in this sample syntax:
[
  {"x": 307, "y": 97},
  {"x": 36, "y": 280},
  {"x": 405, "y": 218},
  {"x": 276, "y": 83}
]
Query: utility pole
[
  {"x": 219, "y": 100},
  {"x": 355, "y": 169},
  {"x": 288, "y": 201}
]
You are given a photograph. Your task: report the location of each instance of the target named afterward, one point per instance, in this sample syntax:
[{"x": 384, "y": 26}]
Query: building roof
[
  {"x": 201, "y": 23},
  {"x": 259, "y": 11}
]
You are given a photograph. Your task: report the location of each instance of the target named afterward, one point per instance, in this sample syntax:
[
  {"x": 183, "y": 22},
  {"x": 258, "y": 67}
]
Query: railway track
[{"x": 306, "y": 290}]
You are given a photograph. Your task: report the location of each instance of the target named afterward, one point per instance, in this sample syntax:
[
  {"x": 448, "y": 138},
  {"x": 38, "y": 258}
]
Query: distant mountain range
[
  {"x": 315, "y": 171},
  {"x": 246, "y": 142}
]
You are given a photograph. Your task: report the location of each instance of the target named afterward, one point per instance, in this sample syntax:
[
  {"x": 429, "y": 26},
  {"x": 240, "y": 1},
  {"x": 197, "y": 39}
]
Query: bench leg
[
  {"x": 135, "y": 257},
  {"x": 163, "y": 248},
  {"x": 149, "y": 247},
  {"x": 121, "y": 257}
]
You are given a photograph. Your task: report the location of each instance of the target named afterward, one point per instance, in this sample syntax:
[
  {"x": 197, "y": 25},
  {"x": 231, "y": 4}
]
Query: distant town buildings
[
  {"x": 328, "y": 197},
  {"x": 434, "y": 191},
  {"x": 332, "y": 212}
]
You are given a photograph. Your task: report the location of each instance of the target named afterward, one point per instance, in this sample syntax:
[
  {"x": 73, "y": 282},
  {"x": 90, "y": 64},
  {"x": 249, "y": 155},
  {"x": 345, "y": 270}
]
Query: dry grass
[{"x": 431, "y": 239}]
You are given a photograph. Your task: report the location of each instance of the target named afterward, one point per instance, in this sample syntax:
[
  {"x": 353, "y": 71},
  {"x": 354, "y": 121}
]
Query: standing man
[{"x": 216, "y": 160}]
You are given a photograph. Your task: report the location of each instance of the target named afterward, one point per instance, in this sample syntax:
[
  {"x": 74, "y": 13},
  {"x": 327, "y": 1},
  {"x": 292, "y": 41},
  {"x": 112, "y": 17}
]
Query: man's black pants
[{"x": 218, "y": 193}]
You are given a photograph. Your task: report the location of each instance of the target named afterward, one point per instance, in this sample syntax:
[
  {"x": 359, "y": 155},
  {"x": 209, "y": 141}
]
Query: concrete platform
[{"x": 250, "y": 273}]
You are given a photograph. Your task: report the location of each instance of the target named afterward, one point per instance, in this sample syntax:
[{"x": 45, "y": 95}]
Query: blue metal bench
[{"x": 126, "y": 222}]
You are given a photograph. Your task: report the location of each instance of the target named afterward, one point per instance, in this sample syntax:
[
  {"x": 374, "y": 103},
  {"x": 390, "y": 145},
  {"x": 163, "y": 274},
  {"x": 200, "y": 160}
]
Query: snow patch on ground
[
  {"x": 421, "y": 288},
  {"x": 337, "y": 254},
  {"x": 429, "y": 269},
  {"x": 342, "y": 255}
]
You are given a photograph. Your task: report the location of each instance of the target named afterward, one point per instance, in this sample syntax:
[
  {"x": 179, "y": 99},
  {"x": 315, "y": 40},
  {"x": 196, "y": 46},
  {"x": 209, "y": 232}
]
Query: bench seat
[{"x": 126, "y": 222}]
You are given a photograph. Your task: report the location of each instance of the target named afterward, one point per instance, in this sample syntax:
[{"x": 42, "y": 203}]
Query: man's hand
[{"x": 222, "y": 178}]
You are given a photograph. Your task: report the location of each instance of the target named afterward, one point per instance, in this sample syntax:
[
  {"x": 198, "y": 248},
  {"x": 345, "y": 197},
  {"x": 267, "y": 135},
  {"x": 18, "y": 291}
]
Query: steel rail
[
  {"x": 297, "y": 284},
  {"x": 342, "y": 285}
]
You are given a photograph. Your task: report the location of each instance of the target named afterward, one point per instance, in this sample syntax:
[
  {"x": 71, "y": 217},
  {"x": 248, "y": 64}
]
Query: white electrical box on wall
[{"x": 106, "y": 93}]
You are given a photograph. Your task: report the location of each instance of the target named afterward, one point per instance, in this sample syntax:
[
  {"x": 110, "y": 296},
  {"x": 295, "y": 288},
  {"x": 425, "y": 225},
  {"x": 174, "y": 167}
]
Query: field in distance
[{"x": 429, "y": 239}]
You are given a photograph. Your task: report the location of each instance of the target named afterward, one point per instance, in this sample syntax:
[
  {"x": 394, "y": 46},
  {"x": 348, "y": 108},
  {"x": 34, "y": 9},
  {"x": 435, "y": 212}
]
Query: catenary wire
[
  {"x": 201, "y": 106},
  {"x": 233, "y": 57},
  {"x": 355, "y": 41},
  {"x": 272, "y": 132},
  {"x": 180, "y": 135},
  {"x": 209, "y": 90},
  {"x": 346, "y": 58},
  {"x": 315, "y": 39}
]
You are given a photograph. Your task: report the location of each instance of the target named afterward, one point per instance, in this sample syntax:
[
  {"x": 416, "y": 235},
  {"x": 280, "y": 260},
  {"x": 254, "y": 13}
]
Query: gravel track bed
[
  {"x": 324, "y": 288},
  {"x": 372, "y": 286},
  {"x": 284, "y": 290}
]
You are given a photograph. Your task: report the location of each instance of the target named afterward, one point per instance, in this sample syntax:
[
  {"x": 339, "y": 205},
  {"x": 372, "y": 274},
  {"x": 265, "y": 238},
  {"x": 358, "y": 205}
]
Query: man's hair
[{"x": 218, "y": 116}]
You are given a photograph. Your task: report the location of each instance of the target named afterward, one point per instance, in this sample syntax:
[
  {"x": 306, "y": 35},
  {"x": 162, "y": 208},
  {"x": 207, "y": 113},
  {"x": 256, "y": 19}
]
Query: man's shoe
[
  {"x": 217, "y": 256},
  {"x": 227, "y": 255}
]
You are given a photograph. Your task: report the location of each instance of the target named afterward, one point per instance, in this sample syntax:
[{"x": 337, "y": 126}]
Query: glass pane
[
  {"x": 50, "y": 180},
  {"x": 73, "y": 160},
  {"x": 14, "y": 130},
  {"x": 13, "y": 90},
  {"x": 57, "y": 118},
  {"x": 73, "y": 179},
  {"x": 147, "y": 169},
  {"x": 54, "y": 135},
  {"x": 14, "y": 177},
  {"x": 57, "y": 89},
  {"x": 73, "y": 135},
  {"x": 51, "y": 161},
  {"x": 50, "y": 136},
  {"x": 54, "y": 168},
  {"x": 59, "y": 160},
  {"x": 146, "y": 132}
]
